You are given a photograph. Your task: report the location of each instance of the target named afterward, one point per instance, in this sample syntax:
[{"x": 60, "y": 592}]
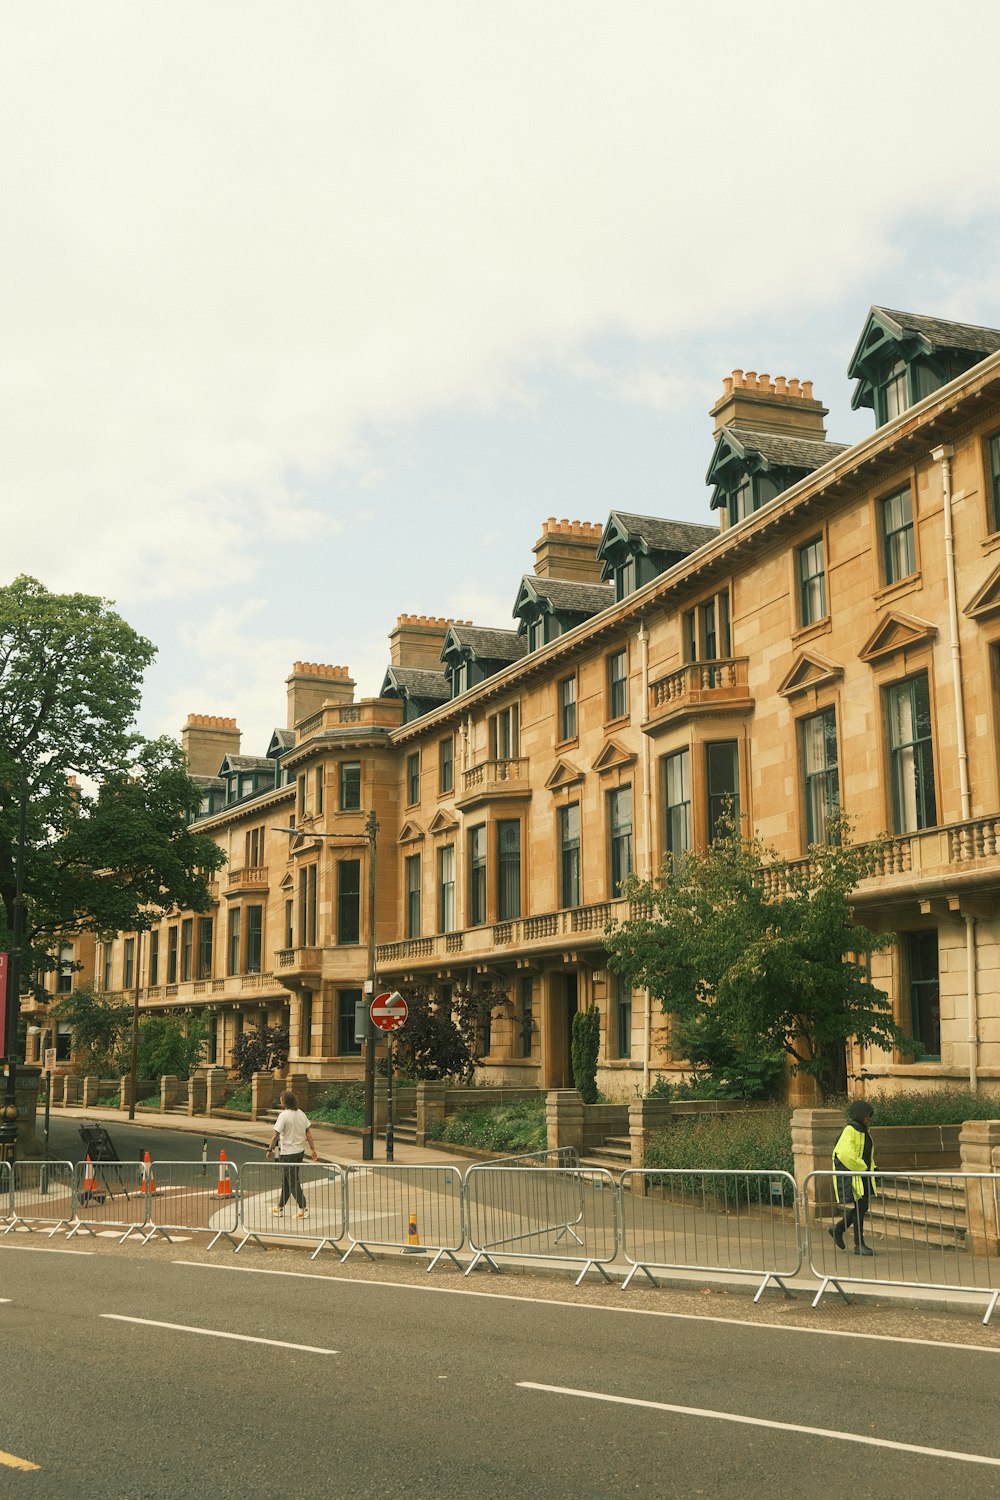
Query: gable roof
[
  {"x": 416, "y": 682},
  {"x": 565, "y": 595},
  {"x": 780, "y": 452},
  {"x": 940, "y": 333},
  {"x": 486, "y": 645},
  {"x": 246, "y": 763},
  {"x": 655, "y": 534}
]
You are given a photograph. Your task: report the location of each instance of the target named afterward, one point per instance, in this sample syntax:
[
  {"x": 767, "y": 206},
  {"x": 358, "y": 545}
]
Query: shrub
[
  {"x": 240, "y": 1097},
  {"x": 754, "y": 1140},
  {"x": 342, "y": 1104},
  {"x": 513, "y": 1128},
  {"x": 584, "y": 1046},
  {"x": 943, "y": 1107}
]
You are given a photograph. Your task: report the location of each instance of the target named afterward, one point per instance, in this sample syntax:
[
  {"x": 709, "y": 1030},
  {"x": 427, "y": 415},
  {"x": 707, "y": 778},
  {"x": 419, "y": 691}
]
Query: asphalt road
[
  {"x": 131, "y": 1140},
  {"x": 159, "y": 1374}
]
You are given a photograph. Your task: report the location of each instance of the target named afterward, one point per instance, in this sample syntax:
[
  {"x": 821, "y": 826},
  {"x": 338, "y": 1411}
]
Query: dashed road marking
[{"x": 217, "y": 1333}]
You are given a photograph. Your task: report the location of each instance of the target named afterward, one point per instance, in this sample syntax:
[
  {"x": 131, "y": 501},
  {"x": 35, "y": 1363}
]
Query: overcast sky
[{"x": 311, "y": 313}]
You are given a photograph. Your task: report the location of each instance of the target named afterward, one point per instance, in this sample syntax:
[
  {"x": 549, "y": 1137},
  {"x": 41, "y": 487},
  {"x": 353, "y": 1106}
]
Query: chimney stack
[
  {"x": 206, "y": 741},
  {"x": 311, "y": 684},
  {"x": 417, "y": 641},
  {"x": 568, "y": 549},
  {"x": 780, "y": 406}
]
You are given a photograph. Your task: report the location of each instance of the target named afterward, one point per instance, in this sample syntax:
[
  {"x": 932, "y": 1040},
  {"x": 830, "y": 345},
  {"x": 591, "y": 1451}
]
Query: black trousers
[
  {"x": 291, "y": 1187},
  {"x": 854, "y": 1215}
]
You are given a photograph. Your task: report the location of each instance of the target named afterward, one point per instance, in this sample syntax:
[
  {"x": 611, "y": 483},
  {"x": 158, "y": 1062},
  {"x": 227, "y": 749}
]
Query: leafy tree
[
  {"x": 108, "y": 847},
  {"x": 444, "y": 1039},
  {"x": 771, "y": 946},
  {"x": 165, "y": 1046},
  {"x": 259, "y": 1049},
  {"x": 585, "y": 1044},
  {"x": 101, "y": 1028},
  {"x": 722, "y": 1069}
]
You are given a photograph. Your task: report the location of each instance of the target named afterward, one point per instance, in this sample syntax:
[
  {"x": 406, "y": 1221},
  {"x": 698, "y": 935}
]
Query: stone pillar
[
  {"x": 170, "y": 1091},
  {"x": 564, "y": 1119},
  {"x": 644, "y": 1117},
  {"x": 979, "y": 1149},
  {"x": 299, "y": 1085},
  {"x": 430, "y": 1107},
  {"x": 814, "y": 1134},
  {"x": 71, "y": 1089},
  {"x": 90, "y": 1091},
  {"x": 125, "y": 1098},
  {"x": 215, "y": 1083},
  {"x": 197, "y": 1093},
  {"x": 263, "y": 1093}
]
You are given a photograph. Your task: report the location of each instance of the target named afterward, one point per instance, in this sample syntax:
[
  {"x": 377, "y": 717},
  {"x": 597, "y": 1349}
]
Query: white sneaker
[
  {"x": 303, "y": 1213},
  {"x": 277, "y": 1210}
]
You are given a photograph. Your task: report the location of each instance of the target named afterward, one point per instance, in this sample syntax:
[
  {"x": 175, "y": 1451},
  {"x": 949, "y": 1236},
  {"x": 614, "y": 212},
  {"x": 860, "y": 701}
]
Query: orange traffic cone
[
  {"x": 148, "y": 1180},
  {"x": 89, "y": 1180},
  {"x": 225, "y": 1184}
]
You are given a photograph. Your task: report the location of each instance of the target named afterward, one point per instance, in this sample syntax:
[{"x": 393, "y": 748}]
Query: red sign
[
  {"x": 389, "y": 1011},
  {"x": 3, "y": 1005}
]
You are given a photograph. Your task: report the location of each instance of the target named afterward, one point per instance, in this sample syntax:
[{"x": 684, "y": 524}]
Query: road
[
  {"x": 162, "y": 1373},
  {"x": 131, "y": 1140}
]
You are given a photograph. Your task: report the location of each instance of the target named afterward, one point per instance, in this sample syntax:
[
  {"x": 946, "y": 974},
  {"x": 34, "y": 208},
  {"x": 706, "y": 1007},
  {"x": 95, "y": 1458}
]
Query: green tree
[
  {"x": 108, "y": 845},
  {"x": 165, "y": 1046},
  {"x": 771, "y": 946},
  {"x": 101, "y": 1029},
  {"x": 585, "y": 1045}
]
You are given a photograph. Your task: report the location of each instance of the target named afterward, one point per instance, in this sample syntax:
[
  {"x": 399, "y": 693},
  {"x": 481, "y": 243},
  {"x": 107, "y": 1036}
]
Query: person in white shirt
[{"x": 292, "y": 1132}]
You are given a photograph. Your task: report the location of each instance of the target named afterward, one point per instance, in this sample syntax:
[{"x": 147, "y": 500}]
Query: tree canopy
[
  {"x": 108, "y": 845},
  {"x": 770, "y": 947}
]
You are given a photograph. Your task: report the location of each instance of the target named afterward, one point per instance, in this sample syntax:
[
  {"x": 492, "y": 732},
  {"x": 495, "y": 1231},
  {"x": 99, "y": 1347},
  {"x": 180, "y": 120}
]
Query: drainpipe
[
  {"x": 944, "y": 455},
  {"x": 970, "y": 980},
  {"x": 647, "y": 839}
]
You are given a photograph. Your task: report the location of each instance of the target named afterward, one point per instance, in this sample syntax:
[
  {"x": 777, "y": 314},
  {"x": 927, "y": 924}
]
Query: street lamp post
[
  {"x": 371, "y": 836},
  {"x": 12, "y": 1006}
]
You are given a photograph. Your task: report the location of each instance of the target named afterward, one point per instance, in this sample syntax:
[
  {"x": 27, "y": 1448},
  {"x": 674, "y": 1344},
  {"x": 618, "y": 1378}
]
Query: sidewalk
[{"x": 332, "y": 1144}]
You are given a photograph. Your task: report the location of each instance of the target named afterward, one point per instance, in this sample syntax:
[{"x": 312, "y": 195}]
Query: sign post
[{"x": 389, "y": 1012}]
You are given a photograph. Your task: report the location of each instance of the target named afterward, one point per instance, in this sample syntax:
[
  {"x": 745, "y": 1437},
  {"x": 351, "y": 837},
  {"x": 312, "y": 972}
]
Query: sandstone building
[{"x": 832, "y": 638}]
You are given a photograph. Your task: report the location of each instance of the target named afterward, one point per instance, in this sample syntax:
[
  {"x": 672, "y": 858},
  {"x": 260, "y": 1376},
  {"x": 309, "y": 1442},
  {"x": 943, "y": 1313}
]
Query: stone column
[
  {"x": 979, "y": 1149},
  {"x": 564, "y": 1119},
  {"x": 125, "y": 1091},
  {"x": 814, "y": 1134},
  {"x": 90, "y": 1091},
  {"x": 644, "y": 1117},
  {"x": 430, "y": 1107},
  {"x": 71, "y": 1089},
  {"x": 170, "y": 1088},
  {"x": 197, "y": 1093},
  {"x": 264, "y": 1088},
  {"x": 215, "y": 1083},
  {"x": 298, "y": 1083}
]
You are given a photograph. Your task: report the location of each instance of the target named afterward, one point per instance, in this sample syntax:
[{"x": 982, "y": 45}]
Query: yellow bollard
[{"x": 413, "y": 1245}]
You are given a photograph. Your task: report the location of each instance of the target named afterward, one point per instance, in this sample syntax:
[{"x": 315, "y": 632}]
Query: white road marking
[
  {"x": 45, "y": 1249},
  {"x": 632, "y": 1312},
  {"x": 729, "y": 1416},
  {"x": 216, "y": 1333}
]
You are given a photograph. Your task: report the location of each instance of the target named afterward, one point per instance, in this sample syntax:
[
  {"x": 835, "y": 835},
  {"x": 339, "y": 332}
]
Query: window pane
[
  {"x": 349, "y": 901},
  {"x": 921, "y": 949},
  {"x": 812, "y": 583},
  {"x": 446, "y": 888},
  {"x": 722, "y": 768},
  {"x": 445, "y": 765},
  {"x": 620, "y": 828},
  {"x": 822, "y": 784},
  {"x": 350, "y": 786},
  {"x": 911, "y": 754},
  {"x": 477, "y": 875},
  {"x": 677, "y": 780},
  {"x": 509, "y": 869},
  {"x": 348, "y": 1039},
  {"x": 569, "y": 844},
  {"x": 897, "y": 537}
]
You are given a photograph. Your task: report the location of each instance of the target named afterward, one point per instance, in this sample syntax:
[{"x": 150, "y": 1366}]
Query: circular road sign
[{"x": 389, "y": 1011}]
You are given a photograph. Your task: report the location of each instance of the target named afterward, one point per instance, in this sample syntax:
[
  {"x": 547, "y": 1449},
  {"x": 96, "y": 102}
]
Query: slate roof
[
  {"x": 248, "y": 763},
  {"x": 569, "y": 596},
  {"x": 418, "y": 682},
  {"x": 662, "y": 535},
  {"x": 786, "y": 452},
  {"x": 282, "y": 739},
  {"x": 209, "y": 783},
  {"x": 488, "y": 645},
  {"x": 942, "y": 333}
]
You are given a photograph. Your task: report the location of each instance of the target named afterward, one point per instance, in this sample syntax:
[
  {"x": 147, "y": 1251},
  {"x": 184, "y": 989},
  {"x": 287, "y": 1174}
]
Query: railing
[
  {"x": 495, "y": 772},
  {"x": 574, "y": 919},
  {"x": 249, "y": 876},
  {"x": 299, "y": 958},
  {"x": 724, "y": 679}
]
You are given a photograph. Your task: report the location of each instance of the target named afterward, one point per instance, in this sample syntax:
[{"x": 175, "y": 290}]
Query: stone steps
[{"x": 933, "y": 1210}]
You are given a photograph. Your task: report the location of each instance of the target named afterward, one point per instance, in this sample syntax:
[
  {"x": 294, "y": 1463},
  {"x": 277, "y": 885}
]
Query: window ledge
[
  {"x": 906, "y": 585},
  {"x": 809, "y": 632}
]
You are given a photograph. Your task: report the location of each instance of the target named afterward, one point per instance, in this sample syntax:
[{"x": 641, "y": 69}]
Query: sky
[{"x": 311, "y": 313}]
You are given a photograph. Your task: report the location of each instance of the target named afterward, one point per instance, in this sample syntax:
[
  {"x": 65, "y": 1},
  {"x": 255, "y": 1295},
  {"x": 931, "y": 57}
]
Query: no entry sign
[{"x": 389, "y": 1011}]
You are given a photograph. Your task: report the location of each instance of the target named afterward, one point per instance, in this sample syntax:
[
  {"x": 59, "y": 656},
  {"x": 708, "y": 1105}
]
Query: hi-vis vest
[{"x": 847, "y": 1153}]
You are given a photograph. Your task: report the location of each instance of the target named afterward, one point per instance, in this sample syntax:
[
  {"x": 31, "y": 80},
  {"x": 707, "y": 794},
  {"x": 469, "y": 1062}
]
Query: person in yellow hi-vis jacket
[{"x": 854, "y": 1182}]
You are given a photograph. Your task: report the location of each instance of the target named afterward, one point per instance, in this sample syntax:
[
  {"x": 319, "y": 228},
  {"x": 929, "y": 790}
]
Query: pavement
[{"x": 698, "y": 1241}]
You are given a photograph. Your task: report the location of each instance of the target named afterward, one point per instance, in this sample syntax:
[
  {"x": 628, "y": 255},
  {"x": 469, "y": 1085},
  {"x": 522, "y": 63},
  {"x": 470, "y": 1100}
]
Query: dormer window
[{"x": 903, "y": 357}]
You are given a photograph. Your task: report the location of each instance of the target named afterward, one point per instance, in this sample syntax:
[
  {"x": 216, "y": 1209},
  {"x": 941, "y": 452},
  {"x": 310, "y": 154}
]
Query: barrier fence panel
[
  {"x": 110, "y": 1195},
  {"x": 6, "y": 1190},
  {"x": 42, "y": 1196},
  {"x": 542, "y": 1213},
  {"x": 740, "y": 1222},
  {"x": 313, "y": 1208},
  {"x": 923, "y": 1229},
  {"x": 555, "y": 1156},
  {"x": 195, "y": 1198},
  {"x": 413, "y": 1209}
]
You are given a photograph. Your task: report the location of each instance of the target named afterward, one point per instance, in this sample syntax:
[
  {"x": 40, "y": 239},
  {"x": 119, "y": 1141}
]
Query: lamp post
[
  {"x": 371, "y": 838},
  {"x": 12, "y": 996}
]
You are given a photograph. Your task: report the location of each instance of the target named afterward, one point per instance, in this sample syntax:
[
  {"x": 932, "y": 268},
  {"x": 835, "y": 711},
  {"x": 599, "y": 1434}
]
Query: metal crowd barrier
[
  {"x": 680, "y": 1220},
  {"x": 6, "y": 1192},
  {"x": 542, "y": 1213},
  {"x": 184, "y": 1197},
  {"x": 109, "y": 1196},
  {"x": 260, "y": 1217},
  {"x": 936, "y": 1230},
  {"x": 42, "y": 1195},
  {"x": 415, "y": 1209}
]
